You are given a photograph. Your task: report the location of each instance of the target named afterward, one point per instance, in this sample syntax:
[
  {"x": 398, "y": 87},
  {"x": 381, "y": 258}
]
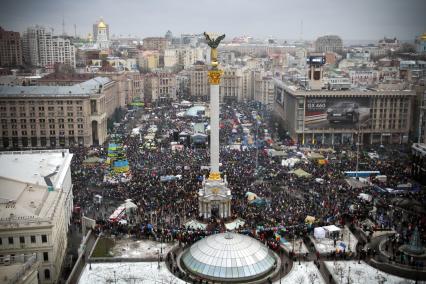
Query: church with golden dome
[
  {"x": 421, "y": 43},
  {"x": 101, "y": 34}
]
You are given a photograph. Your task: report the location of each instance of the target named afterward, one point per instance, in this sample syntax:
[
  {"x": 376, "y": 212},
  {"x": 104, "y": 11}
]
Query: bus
[{"x": 363, "y": 174}]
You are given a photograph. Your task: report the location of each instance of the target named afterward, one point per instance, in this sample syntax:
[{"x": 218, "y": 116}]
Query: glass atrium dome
[{"x": 229, "y": 257}]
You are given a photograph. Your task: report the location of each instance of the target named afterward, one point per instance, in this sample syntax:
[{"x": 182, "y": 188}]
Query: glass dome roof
[{"x": 228, "y": 256}]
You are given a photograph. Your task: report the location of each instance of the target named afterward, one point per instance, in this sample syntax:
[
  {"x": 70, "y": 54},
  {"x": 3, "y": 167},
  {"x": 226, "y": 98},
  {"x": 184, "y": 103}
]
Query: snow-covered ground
[
  {"x": 288, "y": 246},
  {"x": 140, "y": 249},
  {"x": 326, "y": 245},
  {"x": 361, "y": 273},
  {"x": 306, "y": 272},
  {"x": 127, "y": 272}
]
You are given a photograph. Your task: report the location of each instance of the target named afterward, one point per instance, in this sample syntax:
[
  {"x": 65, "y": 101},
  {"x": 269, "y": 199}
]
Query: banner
[{"x": 336, "y": 113}]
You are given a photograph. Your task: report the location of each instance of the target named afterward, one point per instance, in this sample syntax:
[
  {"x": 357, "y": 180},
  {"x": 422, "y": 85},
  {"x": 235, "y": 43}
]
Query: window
[
  {"x": 45, "y": 256},
  {"x": 10, "y": 239},
  {"x": 22, "y": 240},
  {"x": 33, "y": 239},
  {"x": 47, "y": 274},
  {"x": 1, "y": 241},
  {"x": 44, "y": 238}
]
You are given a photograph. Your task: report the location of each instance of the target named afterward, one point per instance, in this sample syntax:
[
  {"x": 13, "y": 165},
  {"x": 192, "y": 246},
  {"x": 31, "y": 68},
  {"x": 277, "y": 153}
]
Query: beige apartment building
[
  {"x": 160, "y": 86},
  {"x": 148, "y": 60},
  {"x": 36, "y": 203},
  {"x": 231, "y": 85},
  {"x": 264, "y": 89},
  {"x": 155, "y": 43},
  {"x": 198, "y": 84},
  {"x": 56, "y": 116}
]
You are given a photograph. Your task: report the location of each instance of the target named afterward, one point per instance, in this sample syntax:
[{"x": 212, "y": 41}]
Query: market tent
[
  {"x": 331, "y": 230},
  {"x": 258, "y": 202},
  {"x": 301, "y": 173},
  {"x": 235, "y": 224},
  {"x": 319, "y": 233},
  {"x": 193, "y": 224},
  {"x": 290, "y": 162}
]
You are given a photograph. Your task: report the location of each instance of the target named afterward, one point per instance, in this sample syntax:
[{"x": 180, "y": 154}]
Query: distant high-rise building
[
  {"x": 155, "y": 43},
  {"x": 41, "y": 48},
  {"x": 101, "y": 34},
  {"x": 169, "y": 35},
  {"x": 329, "y": 43},
  {"x": 10, "y": 48}
]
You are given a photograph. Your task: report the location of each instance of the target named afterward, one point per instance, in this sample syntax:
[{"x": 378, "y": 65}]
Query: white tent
[
  {"x": 365, "y": 196},
  {"x": 331, "y": 230},
  {"x": 319, "y": 233}
]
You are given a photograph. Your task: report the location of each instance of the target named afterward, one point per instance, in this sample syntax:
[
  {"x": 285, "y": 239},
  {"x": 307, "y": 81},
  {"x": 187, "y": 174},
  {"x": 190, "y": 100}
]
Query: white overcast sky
[{"x": 350, "y": 19}]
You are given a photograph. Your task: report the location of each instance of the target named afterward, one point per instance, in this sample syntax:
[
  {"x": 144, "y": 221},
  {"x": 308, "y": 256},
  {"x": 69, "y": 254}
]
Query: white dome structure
[{"x": 229, "y": 257}]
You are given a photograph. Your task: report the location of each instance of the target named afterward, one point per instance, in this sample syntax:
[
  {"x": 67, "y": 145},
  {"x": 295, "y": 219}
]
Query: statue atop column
[{"x": 213, "y": 43}]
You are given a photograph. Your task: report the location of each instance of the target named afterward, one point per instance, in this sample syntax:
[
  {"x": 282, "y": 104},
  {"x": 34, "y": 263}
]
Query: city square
[{"x": 211, "y": 157}]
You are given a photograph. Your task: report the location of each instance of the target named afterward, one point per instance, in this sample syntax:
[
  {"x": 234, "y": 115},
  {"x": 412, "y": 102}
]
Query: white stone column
[{"x": 214, "y": 127}]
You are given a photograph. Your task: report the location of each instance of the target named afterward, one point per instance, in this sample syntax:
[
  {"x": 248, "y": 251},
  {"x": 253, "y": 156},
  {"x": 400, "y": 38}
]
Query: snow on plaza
[
  {"x": 127, "y": 272},
  {"x": 326, "y": 245},
  {"x": 140, "y": 249},
  {"x": 305, "y": 272},
  {"x": 361, "y": 273}
]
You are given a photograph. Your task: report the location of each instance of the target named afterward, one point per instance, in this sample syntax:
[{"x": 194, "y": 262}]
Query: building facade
[
  {"x": 56, "y": 116},
  {"x": 231, "y": 85},
  {"x": 10, "y": 48},
  {"x": 329, "y": 43},
  {"x": 335, "y": 117},
  {"x": 36, "y": 208},
  {"x": 264, "y": 90},
  {"x": 41, "y": 48},
  {"x": 199, "y": 89},
  {"x": 101, "y": 34},
  {"x": 155, "y": 43},
  {"x": 159, "y": 86}
]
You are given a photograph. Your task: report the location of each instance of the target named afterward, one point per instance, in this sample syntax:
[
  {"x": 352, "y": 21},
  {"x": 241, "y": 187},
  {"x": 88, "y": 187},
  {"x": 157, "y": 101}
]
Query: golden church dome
[
  {"x": 102, "y": 25},
  {"x": 423, "y": 36}
]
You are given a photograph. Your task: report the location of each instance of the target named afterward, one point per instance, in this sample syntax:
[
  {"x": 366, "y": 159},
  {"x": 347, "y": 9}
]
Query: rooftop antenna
[
  {"x": 63, "y": 24},
  {"x": 75, "y": 30}
]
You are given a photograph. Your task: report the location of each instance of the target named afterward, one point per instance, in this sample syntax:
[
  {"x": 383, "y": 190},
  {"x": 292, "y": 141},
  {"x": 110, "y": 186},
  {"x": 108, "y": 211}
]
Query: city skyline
[{"x": 272, "y": 18}]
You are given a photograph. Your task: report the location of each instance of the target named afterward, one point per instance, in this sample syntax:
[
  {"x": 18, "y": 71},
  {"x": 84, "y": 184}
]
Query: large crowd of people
[{"x": 164, "y": 206}]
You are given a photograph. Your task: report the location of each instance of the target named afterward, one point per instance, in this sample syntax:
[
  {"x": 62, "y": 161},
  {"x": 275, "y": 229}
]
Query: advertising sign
[{"x": 336, "y": 113}]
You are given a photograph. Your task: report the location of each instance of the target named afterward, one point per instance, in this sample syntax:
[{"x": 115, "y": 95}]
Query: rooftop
[
  {"x": 24, "y": 180},
  {"x": 229, "y": 257},
  {"x": 83, "y": 89}
]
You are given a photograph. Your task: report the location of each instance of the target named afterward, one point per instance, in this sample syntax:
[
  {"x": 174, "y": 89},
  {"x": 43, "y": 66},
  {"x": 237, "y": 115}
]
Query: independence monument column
[{"x": 215, "y": 197}]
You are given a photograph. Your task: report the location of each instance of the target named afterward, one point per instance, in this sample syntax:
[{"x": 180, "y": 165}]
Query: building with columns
[
  {"x": 56, "y": 116},
  {"x": 336, "y": 117},
  {"x": 198, "y": 85}
]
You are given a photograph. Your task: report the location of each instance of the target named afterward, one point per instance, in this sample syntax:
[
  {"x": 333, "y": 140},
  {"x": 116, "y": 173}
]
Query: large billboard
[{"x": 337, "y": 113}]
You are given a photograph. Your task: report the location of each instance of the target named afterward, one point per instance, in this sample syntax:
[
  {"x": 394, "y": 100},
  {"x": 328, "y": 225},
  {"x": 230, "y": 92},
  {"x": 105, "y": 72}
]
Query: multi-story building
[
  {"x": 10, "y": 48},
  {"x": 247, "y": 84},
  {"x": 231, "y": 85},
  {"x": 63, "y": 51},
  {"x": 148, "y": 60},
  {"x": 36, "y": 207},
  {"x": 264, "y": 89},
  {"x": 185, "y": 57},
  {"x": 155, "y": 43},
  {"x": 199, "y": 88},
  {"x": 56, "y": 116},
  {"x": 41, "y": 48},
  {"x": 362, "y": 76},
  {"x": 21, "y": 269},
  {"x": 334, "y": 117},
  {"x": 389, "y": 43},
  {"x": 329, "y": 43},
  {"x": 159, "y": 86}
]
